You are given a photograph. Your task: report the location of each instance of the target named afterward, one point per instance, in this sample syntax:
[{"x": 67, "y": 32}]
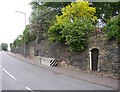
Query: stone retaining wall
[{"x": 107, "y": 58}]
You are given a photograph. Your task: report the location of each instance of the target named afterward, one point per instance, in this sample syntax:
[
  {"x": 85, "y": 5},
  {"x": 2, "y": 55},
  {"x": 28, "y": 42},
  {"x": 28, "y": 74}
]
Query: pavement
[{"x": 88, "y": 77}]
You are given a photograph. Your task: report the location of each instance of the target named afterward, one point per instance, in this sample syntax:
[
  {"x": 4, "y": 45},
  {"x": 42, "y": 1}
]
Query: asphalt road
[{"x": 19, "y": 75}]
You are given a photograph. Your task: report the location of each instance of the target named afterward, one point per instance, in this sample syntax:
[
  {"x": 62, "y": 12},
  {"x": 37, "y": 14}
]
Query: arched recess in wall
[{"x": 94, "y": 54}]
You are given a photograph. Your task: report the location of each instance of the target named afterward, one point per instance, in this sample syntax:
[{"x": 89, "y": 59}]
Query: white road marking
[
  {"x": 14, "y": 77},
  {"x": 9, "y": 74},
  {"x": 27, "y": 88}
]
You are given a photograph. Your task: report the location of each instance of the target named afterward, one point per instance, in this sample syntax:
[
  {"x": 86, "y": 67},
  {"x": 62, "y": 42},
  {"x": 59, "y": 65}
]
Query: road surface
[{"x": 19, "y": 75}]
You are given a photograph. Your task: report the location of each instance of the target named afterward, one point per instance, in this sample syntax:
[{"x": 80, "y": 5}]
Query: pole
[{"x": 24, "y": 48}]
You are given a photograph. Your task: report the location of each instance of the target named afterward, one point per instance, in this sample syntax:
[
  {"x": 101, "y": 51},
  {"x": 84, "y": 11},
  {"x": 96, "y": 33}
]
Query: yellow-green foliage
[
  {"x": 74, "y": 25},
  {"x": 75, "y": 10}
]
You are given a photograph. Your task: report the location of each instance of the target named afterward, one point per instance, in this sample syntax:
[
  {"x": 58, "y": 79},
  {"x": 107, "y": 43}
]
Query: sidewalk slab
[{"x": 89, "y": 77}]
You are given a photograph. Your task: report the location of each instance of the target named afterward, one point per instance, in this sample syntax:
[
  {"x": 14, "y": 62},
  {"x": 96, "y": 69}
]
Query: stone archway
[{"x": 94, "y": 53}]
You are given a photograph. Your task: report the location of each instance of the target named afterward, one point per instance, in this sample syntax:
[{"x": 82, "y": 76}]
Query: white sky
[{"x": 12, "y": 24}]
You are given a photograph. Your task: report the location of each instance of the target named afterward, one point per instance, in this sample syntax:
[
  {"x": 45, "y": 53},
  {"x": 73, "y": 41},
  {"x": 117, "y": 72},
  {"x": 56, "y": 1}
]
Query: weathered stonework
[
  {"x": 108, "y": 54},
  {"x": 107, "y": 57}
]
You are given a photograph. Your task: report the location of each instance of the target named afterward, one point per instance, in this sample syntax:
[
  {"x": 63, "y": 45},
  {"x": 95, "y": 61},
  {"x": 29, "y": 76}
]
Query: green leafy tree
[
  {"x": 42, "y": 16},
  {"x": 55, "y": 6},
  {"x": 17, "y": 41},
  {"x": 40, "y": 19},
  {"x": 27, "y": 36},
  {"x": 112, "y": 28},
  {"x": 24, "y": 38},
  {"x": 4, "y": 46},
  {"x": 11, "y": 45},
  {"x": 106, "y": 10},
  {"x": 74, "y": 25}
]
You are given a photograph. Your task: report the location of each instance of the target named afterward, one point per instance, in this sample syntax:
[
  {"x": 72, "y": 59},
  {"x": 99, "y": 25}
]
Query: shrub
[
  {"x": 74, "y": 25},
  {"x": 76, "y": 34},
  {"x": 112, "y": 28}
]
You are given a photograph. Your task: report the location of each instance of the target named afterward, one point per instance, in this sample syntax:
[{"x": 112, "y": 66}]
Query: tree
[
  {"x": 106, "y": 10},
  {"x": 42, "y": 16},
  {"x": 112, "y": 28},
  {"x": 24, "y": 38},
  {"x": 4, "y": 46},
  {"x": 40, "y": 20},
  {"x": 55, "y": 6},
  {"x": 76, "y": 10},
  {"x": 17, "y": 42},
  {"x": 74, "y": 25},
  {"x": 27, "y": 35},
  {"x": 11, "y": 45}
]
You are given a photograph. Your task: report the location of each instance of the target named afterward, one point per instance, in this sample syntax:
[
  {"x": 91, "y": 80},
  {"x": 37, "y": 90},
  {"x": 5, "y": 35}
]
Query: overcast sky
[{"x": 11, "y": 23}]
